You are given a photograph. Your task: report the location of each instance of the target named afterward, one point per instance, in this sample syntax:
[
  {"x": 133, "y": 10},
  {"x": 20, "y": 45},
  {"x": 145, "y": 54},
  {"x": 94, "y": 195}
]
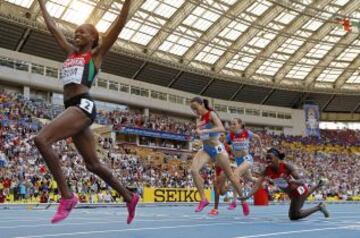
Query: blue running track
[{"x": 181, "y": 222}]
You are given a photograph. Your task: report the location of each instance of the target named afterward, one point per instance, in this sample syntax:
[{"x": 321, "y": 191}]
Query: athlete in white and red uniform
[{"x": 285, "y": 176}]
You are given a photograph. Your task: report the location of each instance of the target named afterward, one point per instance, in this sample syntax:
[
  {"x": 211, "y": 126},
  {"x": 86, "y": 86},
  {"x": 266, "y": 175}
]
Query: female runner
[
  {"x": 287, "y": 178},
  {"x": 208, "y": 128},
  {"x": 238, "y": 140},
  {"x": 84, "y": 58}
]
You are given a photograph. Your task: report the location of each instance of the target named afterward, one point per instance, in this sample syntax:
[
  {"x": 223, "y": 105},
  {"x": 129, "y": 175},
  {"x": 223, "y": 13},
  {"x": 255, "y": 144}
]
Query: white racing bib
[
  {"x": 86, "y": 105},
  {"x": 301, "y": 190},
  {"x": 72, "y": 71},
  {"x": 220, "y": 148},
  {"x": 241, "y": 145}
]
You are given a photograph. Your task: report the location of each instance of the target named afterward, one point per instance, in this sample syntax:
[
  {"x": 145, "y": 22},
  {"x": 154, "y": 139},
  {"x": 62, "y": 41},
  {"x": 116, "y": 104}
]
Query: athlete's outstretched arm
[
  {"x": 51, "y": 25},
  {"x": 113, "y": 33},
  {"x": 258, "y": 138}
]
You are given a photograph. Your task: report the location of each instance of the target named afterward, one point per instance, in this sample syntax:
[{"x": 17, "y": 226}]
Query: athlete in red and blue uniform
[
  {"x": 238, "y": 141},
  {"x": 285, "y": 176},
  {"x": 208, "y": 128}
]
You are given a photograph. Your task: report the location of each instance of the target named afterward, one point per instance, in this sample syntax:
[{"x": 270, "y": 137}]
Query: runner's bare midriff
[{"x": 72, "y": 90}]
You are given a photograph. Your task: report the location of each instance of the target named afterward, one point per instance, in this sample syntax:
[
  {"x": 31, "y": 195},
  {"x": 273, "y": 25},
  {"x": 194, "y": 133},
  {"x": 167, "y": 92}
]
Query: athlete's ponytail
[
  {"x": 207, "y": 105},
  {"x": 204, "y": 102}
]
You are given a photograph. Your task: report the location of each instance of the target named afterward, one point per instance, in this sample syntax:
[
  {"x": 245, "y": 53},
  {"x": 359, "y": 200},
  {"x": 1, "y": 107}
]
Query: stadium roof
[{"x": 246, "y": 50}]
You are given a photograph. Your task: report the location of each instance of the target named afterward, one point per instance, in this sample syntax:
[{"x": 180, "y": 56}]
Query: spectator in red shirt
[
  {"x": 2, "y": 197},
  {"x": 7, "y": 183}
]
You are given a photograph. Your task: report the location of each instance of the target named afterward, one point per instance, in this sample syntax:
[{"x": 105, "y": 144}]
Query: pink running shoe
[
  {"x": 202, "y": 205},
  {"x": 213, "y": 212},
  {"x": 246, "y": 208},
  {"x": 64, "y": 209},
  {"x": 232, "y": 205},
  {"x": 131, "y": 206}
]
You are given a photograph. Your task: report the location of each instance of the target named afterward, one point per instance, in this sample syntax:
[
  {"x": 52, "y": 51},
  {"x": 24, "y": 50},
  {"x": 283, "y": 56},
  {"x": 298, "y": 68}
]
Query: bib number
[
  {"x": 72, "y": 75},
  {"x": 239, "y": 146},
  {"x": 86, "y": 105},
  {"x": 300, "y": 190},
  {"x": 220, "y": 149}
]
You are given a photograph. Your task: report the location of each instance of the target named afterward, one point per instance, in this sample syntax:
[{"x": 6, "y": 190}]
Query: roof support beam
[
  {"x": 267, "y": 17},
  {"x": 23, "y": 39},
  {"x": 237, "y": 92},
  {"x": 35, "y": 9},
  {"x": 104, "y": 5},
  {"x": 295, "y": 25},
  {"x": 139, "y": 70},
  {"x": 325, "y": 29},
  {"x": 329, "y": 57},
  {"x": 215, "y": 29},
  {"x": 35, "y": 12},
  {"x": 355, "y": 109},
  {"x": 328, "y": 102},
  {"x": 348, "y": 72},
  {"x": 207, "y": 86},
  {"x": 178, "y": 17},
  {"x": 99, "y": 11},
  {"x": 177, "y": 76},
  {"x": 267, "y": 96}
]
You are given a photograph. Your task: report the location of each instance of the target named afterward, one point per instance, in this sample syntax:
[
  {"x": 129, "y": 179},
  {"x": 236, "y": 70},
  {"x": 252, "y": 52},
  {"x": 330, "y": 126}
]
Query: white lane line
[
  {"x": 23, "y": 220},
  {"x": 294, "y": 232},
  {"x": 126, "y": 230},
  {"x": 86, "y": 223},
  {"x": 239, "y": 220},
  {"x": 47, "y": 219},
  {"x": 62, "y": 224}
]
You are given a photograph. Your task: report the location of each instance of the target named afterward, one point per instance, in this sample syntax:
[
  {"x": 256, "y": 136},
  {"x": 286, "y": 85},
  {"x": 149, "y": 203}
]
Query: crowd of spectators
[
  {"x": 154, "y": 122},
  {"x": 118, "y": 118}
]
